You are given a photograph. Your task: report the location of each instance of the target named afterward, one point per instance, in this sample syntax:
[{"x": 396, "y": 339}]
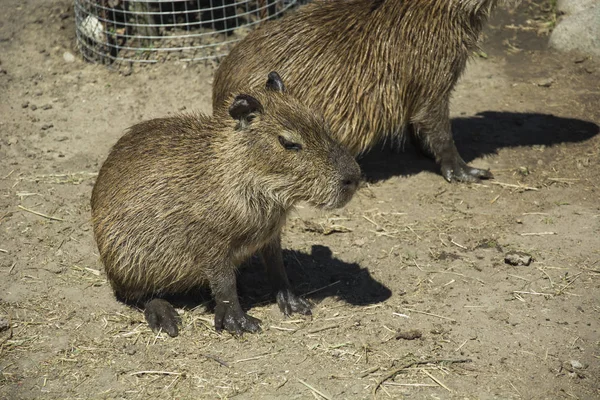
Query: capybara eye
[{"x": 289, "y": 145}]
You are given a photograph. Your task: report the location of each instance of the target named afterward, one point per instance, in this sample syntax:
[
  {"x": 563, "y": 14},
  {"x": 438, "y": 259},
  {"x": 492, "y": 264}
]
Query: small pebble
[
  {"x": 409, "y": 335},
  {"x": 545, "y": 82},
  {"x": 47, "y": 126},
  {"x": 574, "y": 368},
  {"x": 518, "y": 258},
  {"x": 576, "y": 364},
  {"x": 46, "y": 106},
  {"x": 4, "y": 325},
  {"x": 25, "y": 105},
  {"x": 68, "y": 57},
  {"x": 33, "y": 107}
]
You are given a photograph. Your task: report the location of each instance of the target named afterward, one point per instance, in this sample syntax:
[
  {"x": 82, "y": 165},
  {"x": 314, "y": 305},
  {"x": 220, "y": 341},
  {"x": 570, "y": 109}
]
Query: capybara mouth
[{"x": 338, "y": 201}]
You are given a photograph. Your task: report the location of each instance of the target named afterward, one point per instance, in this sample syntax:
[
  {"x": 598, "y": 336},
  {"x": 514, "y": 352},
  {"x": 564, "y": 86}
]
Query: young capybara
[
  {"x": 183, "y": 201},
  {"x": 376, "y": 68}
]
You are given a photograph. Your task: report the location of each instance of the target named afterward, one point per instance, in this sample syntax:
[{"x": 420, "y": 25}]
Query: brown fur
[
  {"x": 373, "y": 66},
  {"x": 182, "y": 201}
]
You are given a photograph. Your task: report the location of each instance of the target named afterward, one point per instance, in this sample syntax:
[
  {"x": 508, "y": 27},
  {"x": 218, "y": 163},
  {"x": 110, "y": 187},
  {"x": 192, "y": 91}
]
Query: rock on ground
[
  {"x": 579, "y": 31},
  {"x": 575, "y": 6}
]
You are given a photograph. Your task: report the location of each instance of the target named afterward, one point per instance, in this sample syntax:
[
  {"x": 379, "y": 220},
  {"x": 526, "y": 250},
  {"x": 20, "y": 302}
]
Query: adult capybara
[
  {"x": 376, "y": 68},
  {"x": 183, "y": 201}
]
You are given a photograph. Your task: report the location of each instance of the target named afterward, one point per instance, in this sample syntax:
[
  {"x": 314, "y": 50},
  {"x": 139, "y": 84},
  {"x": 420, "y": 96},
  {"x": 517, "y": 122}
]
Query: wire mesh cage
[{"x": 145, "y": 31}]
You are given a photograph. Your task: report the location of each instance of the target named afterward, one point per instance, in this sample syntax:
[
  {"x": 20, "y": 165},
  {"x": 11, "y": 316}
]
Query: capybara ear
[
  {"x": 243, "y": 105},
  {"x": 275, "y": 83}
]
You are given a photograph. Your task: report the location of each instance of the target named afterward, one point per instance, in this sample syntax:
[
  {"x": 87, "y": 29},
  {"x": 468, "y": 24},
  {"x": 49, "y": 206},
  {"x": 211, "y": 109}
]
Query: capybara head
[{"x": 290, "y": 149}]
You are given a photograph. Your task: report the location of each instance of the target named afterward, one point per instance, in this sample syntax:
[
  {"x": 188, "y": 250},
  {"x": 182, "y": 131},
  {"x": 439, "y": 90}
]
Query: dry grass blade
[
  {"x": 215, "y": 358},
  {"x": 368, "y": 371},
  {"x": 155, "y": 373},
  {"x": 461, "y": 346},
  {"x": 436, "y": 380},
  {"x": 321, "y": 288},
  {"x": 315, "y": 390},
  {"x": 538, "y": 233},
  {"x": 430, "y": 314},
  {"x": 74, "y": 178},
  {"x": 410, "y": 384},
  {"x": 279, "y": 328},
  {"x": 255, "y": 358},
  {"x": 457, "y": 244},
  {"x": 595, "y": 271},
  {"x": 93, "y": 271},
  {"x": 562, "y": 289},
  {"x": 563, "y": 180},
  {"x": 535, "y": 293},
  {"x": 396, "y": 371},
  {"x": 510, "y": 185},
  {"x": 548, "y": 276},
  {"x": 40, "y": 214},
  {"x": 323, "y": 328}
]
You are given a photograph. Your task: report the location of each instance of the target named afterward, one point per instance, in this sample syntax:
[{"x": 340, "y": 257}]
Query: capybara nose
[{"x": 350, "y": 183}]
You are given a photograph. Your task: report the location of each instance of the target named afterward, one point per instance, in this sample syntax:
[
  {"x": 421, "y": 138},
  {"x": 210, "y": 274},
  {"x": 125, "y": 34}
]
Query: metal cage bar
[{"x": 145, "y": 31}]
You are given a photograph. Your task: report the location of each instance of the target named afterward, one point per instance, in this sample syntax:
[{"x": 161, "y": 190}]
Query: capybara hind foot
[
  {"x": 457, "y": 170},
  {"x": 234, "y": 320},
  {"x": 289, "y": 303},
  {"x": 160, "y": 314}
]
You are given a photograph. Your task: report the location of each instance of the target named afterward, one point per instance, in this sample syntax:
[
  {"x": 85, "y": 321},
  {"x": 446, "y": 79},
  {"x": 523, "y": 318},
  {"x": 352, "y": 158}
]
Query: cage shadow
[{"x": 478, "y": 136}]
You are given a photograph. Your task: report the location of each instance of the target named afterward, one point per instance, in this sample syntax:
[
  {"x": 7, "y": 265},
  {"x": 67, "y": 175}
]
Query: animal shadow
[
  {"x": 478, "y": 136},
  {"x": 317, "y": 275}
]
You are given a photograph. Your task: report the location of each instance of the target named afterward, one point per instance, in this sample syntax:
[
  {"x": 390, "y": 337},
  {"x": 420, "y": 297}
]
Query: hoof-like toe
[
  {"x": 235, "y": 322},
  {"x": 459, "y": 171},
  {"x": 160, "y": 314},
  {"x": 289, "y": 303}
]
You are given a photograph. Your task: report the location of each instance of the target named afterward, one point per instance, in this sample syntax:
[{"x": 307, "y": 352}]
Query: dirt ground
[{"x": 410, "y": 253}]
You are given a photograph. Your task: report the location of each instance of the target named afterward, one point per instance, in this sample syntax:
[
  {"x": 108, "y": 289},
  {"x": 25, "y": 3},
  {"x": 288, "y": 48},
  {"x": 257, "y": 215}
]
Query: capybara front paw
[
  {"x": 459, "y": 171},
  {"x": 160, "y": 314},
  {"x": 235, "y": 322},
  {"x": 290, "y": 303}
]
